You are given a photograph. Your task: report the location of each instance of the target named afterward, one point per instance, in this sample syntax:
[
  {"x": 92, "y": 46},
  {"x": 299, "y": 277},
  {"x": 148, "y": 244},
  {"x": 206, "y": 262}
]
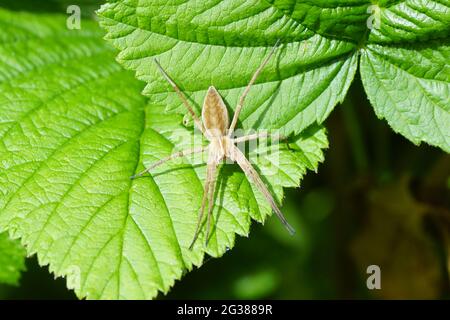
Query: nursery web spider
[{"x": 216, "y": 129}]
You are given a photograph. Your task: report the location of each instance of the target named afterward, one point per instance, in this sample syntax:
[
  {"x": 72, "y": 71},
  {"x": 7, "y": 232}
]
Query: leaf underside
[{"x": 74, "y": 128}]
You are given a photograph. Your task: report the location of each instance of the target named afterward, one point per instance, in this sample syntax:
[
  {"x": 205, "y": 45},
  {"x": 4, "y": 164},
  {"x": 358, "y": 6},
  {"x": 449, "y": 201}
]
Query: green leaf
[
  {"x": 74, "y": 128},
  {"x": 87, "y": 7},
  {"x": 341, "y": 19},
  {"x": 410, "y": 88},
  {"x": 222, "y": 43},
  {"x": 12, "y": 260},
  {"x": 405, "y": 72},
  {"x": 411, "y": 21}
]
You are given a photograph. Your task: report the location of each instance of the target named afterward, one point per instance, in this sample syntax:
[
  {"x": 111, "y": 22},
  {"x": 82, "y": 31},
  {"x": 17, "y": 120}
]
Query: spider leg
[
  {"x": 210, "y": 171},
  {"x": 258, "y": 135},
  {"x": 247, "y": 89},
  {"x": 180, "y": 94},
  {"x": 253, "y": 175},
  {"x": 212, "y": 188},
  {"x": 175, "y": 155}
]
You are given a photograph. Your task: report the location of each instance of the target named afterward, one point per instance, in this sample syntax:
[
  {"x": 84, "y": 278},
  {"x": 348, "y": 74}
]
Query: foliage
[
  {"x": 74, "y": 129},
  {"x": 403, "y": 47},
  {"x": 12, "y": 260},
  {"x": 74, "y": 126}
]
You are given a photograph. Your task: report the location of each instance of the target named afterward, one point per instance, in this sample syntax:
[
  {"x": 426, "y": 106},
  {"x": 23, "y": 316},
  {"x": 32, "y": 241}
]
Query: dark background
[{"x": 377, "y": 199}]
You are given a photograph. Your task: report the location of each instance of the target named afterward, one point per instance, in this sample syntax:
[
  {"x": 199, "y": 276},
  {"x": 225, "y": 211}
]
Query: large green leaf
[
  {"x": 223, "y": 42},
  {"x": 74, "y": 128},
  {"x": 12, "y": 260}
]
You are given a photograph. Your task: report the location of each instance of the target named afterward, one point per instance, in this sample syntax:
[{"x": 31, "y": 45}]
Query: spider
[{"x": 216, "y": 129}]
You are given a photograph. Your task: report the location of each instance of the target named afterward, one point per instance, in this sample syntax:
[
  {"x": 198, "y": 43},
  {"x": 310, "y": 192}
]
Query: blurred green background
[{"x": 377, "y": 199}]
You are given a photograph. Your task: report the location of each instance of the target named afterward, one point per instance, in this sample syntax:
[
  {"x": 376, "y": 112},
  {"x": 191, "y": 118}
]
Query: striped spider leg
[{"x": 216, "y": 129}]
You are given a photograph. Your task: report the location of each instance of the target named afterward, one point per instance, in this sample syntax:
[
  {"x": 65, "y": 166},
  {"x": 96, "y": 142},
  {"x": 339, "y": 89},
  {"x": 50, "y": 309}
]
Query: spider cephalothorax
[{"x": 216, "y": 129}]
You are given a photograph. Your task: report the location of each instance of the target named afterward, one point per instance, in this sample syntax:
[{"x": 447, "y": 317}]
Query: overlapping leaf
[
  {"x": 411, "y": 21},
  {"x": 410, "y": 88},
  {"x": 74, "y": 128},
  {"x": 405, "y": 71}
]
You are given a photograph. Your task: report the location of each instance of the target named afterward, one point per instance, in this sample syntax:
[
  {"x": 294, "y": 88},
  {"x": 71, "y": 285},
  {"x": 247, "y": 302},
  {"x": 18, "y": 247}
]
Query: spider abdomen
[{"x": 214, "y": 114}]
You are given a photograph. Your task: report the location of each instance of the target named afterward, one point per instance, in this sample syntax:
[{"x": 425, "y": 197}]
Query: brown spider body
[{"x": 216, "y": 121}]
